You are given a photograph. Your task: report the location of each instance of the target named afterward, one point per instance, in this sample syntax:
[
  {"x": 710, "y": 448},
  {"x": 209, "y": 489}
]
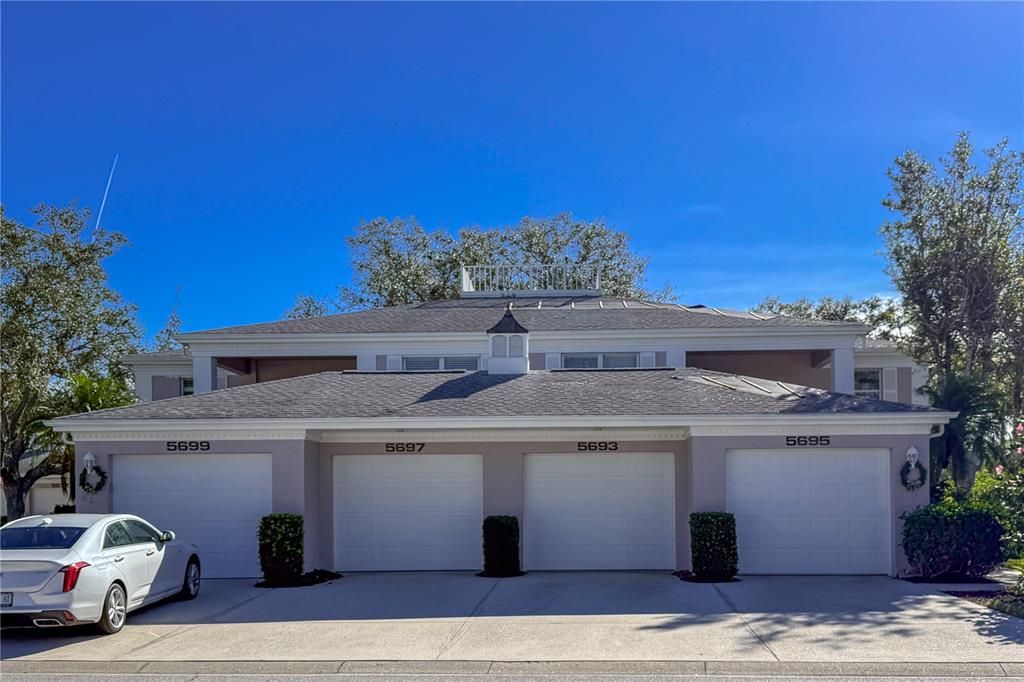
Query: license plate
[{"x": 6, "y": 598}]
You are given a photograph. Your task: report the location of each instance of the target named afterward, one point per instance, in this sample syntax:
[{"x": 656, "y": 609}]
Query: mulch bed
[
  {"x": 952, "y": 580},
  {"x": 1000, "y": 601},
  {"x": 305, "y": 580},
  {"x": 689, "y": 577}
]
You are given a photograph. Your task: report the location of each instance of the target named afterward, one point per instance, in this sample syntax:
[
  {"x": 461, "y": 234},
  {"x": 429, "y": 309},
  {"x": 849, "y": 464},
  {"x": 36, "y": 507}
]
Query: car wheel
[
  {"x": 115, "y": 610},
  {"x": 190, "y": 586}
]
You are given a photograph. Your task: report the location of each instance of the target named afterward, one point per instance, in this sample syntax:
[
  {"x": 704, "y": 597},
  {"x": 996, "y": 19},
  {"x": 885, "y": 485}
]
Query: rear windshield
[{"x": 39, "y": 537}]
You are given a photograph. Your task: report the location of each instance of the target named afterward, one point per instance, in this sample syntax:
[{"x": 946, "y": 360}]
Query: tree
[
  {"x": 84, "y": 392},
  {"x": 954, "y": 253},
  {"x": 307, "y": 305},
  {"x": 58, "y": 318},
  {"x": 882, "y": 314},
  {"x": 951, "y": 253},
  {"x": 397, "y": 261},
  {"x": 164, "y": 339},
  {"x": 974, "y": 436}
]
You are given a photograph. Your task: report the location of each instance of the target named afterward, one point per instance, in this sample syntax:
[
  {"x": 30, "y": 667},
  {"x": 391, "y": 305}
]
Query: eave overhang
[{"x": 270, "y": 429}]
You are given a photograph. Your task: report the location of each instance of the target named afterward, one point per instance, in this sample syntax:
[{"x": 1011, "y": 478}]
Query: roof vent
[{"x": 569, "y": 279}]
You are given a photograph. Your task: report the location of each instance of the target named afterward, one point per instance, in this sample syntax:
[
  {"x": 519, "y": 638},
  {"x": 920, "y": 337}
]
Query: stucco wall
[
  {"x": 271, "y": 369},
  {"x": 503, "y": 474},
  {"x": 793, "y": 366},
  {"x": 303, "y": 482},
  {"x": 294, "y": 469},
  {"x": 708, "y": 474}
]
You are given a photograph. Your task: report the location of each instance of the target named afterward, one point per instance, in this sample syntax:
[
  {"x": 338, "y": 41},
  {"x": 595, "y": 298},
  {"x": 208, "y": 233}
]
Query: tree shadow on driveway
[
  {"x": 867, "y": 618},
  {"x": 792, "y": 618}
]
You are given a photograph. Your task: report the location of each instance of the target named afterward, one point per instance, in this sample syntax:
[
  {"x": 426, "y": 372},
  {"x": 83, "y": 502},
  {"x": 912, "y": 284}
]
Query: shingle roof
[
  {"x": 340, "y": 395},
  {"x": 477, "y": 314}
]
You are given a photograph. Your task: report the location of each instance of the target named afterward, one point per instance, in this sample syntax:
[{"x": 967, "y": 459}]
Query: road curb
[{"x": 554, "y": 668}]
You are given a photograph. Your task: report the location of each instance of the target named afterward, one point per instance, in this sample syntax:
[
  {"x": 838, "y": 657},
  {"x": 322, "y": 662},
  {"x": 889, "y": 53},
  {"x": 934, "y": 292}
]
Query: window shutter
[
  {"x": 515, "y": 346},
  {"x": 890, "y": 385}
]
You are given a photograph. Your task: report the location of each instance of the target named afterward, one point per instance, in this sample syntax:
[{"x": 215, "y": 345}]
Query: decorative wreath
[
  {"x": 913, "y": 482},
  {"x": 89, "y": 488}
]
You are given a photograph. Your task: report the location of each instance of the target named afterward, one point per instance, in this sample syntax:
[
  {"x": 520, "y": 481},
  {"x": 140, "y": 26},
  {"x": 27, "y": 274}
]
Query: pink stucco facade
[{"x": 302, "y": 473}]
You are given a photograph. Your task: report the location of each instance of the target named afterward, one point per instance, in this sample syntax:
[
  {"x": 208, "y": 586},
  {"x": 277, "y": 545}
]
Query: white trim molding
[
  {"x": 499, "y": 436},
  {"x": 156, "y": 429}
]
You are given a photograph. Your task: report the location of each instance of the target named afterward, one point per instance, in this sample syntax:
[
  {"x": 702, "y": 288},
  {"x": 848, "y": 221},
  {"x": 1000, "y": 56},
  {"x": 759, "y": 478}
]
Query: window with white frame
[
  {"x": 868, "y": 383},
  {"x": 421, "y": 363},
  {"x": 187, "y": 386},
  {"x": 600, "y": 360}
]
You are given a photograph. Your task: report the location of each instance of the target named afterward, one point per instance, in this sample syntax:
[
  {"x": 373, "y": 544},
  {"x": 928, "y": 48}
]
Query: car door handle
[
  {"x": 119, "y": 558},
  {"x": 150, "y": 552}
]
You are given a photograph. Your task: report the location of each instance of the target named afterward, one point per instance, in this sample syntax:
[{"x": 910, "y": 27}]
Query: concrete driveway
[{"x": 550, "y": 616}]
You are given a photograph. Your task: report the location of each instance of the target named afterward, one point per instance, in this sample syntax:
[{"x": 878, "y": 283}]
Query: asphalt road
[{"x": 472, "y": 678}]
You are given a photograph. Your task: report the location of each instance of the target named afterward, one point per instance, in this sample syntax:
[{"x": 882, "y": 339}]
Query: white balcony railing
[{"x": 571, "y": 278}]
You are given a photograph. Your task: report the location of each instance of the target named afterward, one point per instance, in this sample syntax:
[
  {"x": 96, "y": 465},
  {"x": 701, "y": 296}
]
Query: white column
[
  {"x": 842, "y": 370},
  {"x": 204, "y": 373}
]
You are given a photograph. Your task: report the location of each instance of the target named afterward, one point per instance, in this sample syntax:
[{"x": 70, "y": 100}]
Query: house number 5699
[{"x": 188, "y": 445}]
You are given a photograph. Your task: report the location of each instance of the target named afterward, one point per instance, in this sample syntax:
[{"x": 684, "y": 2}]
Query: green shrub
[
  {"x": 713, "y": 545},
  {"x": 1002, "y": 493},
  {"x": 501, "y": 546},
  {"x": 948, "y": 540},
  {"x": 281, "y": 547}
]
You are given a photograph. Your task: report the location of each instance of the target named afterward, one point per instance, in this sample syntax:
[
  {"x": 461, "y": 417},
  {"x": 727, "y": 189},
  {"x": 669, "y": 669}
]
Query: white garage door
[
  {"x": 599, "y": 511},
  {"x": 810, "y": 511},
  {"x": 213, "y": 501},
  {"x": 407, "y": 512}
]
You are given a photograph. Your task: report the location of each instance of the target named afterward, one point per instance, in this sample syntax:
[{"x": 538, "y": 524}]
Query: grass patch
[
  {"x": 1000, "y": 601},
  {"x": 1016, "y": 564}
]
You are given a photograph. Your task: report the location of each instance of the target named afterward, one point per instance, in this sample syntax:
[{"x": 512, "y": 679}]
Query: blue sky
[{"x": 744, "y": 147}]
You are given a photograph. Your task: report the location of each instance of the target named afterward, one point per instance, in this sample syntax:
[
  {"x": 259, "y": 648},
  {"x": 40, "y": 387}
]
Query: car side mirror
[{"x": 167, "y": 536}]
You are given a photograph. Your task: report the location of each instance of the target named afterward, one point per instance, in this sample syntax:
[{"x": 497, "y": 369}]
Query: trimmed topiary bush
[
  {"x": 281, "y": 548},
  {"x": 501, "y": 547},
  {"x": 713, "y": 546},
  {"x": 951, "y": 541}
]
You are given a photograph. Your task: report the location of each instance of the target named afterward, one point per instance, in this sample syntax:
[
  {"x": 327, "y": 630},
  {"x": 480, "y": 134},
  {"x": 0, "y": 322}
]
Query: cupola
[{"x": 510, "y": 346}]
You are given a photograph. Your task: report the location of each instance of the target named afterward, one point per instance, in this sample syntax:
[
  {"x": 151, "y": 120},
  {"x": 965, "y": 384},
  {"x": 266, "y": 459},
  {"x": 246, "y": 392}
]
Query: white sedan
[{"x": 71, "y": 569}]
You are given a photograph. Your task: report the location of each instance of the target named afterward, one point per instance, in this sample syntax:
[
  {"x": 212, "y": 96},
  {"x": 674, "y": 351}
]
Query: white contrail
[{"x": 106, "y": 191}]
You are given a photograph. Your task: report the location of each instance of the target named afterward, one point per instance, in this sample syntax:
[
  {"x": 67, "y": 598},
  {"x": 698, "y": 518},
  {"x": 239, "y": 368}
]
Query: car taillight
[{"x": 71, "y": 575}]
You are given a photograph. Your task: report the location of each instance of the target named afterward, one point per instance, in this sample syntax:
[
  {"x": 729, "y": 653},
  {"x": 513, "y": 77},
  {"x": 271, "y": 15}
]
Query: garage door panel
[
  {"x": 820, "y": 511},
  {"x": 212, "y": 501},
  {"x": 599, "y": 511},
  {"x": 407, "y": 512}
]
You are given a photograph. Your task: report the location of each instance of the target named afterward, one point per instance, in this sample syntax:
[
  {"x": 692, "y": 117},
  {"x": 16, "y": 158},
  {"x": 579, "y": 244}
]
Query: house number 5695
[{"x": 798, "y": 441}]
